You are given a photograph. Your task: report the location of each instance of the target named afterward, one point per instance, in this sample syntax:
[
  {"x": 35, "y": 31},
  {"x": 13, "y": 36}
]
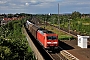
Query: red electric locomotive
[{"x": 48, "y": 39}]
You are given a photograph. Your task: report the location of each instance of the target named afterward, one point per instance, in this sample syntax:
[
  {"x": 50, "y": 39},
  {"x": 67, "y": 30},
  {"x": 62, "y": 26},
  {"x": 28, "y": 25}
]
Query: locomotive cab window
[{"x": 51, "y": 37}]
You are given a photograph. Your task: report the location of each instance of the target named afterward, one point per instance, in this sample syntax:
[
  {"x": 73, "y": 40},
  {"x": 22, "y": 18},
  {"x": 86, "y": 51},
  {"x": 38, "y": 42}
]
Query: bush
[
  {"x": 65, "y": 37},
  {"x": 13, "y": 42}
]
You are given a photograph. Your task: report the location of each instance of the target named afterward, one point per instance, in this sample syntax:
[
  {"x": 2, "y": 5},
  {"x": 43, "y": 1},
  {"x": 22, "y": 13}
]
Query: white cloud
[
  {"x": 3, "y": 2},
  {"x": 46, "y": 5},
  {"x": 33, "y": 1},
  {"x": 27, "y": 4},
  {"x": 74, "y": 2}
]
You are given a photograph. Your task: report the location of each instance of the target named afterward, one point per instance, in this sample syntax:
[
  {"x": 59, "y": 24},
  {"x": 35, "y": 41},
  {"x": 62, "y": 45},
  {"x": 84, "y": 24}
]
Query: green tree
[
  {"x": 75, "y": 15},
  {"x": 13, "y": 44},
  {"x": 4, "y": 53}
]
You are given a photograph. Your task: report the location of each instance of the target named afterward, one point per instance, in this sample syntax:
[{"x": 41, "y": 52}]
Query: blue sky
[{"x": 44, "y": 6}]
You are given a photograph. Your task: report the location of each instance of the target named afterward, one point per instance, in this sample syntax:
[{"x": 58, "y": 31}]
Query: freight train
[{"x": 48, "y": 39}]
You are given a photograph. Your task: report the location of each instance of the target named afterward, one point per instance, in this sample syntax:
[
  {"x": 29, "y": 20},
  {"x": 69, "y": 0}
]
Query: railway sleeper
[{"x": 68, "y": 56}]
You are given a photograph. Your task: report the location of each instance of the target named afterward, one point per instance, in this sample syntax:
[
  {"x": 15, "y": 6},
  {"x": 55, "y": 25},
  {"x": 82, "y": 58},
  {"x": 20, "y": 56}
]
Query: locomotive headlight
[
  {"x": 51, "y": 42},
  {"x": 48, "y": 42},
  {"x": 54, "y": 42}
]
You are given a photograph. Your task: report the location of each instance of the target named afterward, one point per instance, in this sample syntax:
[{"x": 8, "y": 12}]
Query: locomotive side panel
[{"x": 41, "y": 38}]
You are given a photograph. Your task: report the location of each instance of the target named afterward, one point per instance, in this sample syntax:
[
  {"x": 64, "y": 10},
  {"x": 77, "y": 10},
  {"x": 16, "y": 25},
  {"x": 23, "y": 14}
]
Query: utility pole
[
  {"x": 58, "y": 17},
  {"x": 69, "y": 26}
]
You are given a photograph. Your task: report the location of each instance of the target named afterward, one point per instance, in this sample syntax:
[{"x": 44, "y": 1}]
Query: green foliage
[
  {"x": 76, "y": 15},
  {"x": 81, "y": 25},
  {"x": 4, "y": 53},
  {"x": 77, "y": 24},
  {"x": 13, "y": 44},
  {"x": 65, "y": 37}
]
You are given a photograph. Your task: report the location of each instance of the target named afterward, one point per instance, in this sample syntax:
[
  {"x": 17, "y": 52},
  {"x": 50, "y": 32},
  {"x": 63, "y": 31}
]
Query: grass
[
  {"x": 61, "y": 35},
  {"x": 29, "y": 49}
]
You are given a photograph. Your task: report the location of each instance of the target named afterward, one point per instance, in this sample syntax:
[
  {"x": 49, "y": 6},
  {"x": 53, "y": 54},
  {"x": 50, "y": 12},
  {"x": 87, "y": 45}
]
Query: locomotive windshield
[{"x": 51, "y": 37}]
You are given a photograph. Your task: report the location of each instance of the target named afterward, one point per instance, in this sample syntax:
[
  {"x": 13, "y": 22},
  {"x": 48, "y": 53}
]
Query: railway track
[
  {"x": 62, "y": 55},
  {"x": 56, "y": 56}
]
